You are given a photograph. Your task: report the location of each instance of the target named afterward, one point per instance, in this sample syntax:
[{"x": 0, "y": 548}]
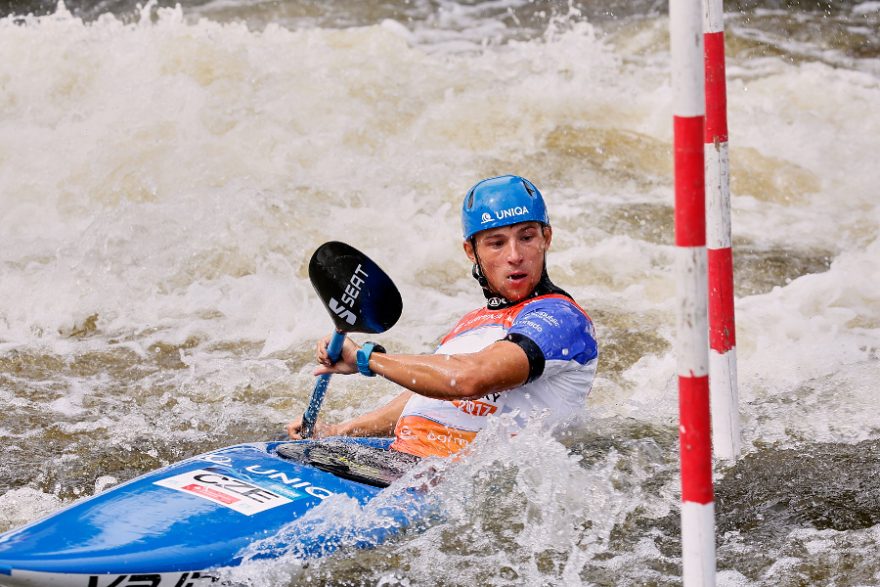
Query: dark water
[{"x": 785, "y": 499}]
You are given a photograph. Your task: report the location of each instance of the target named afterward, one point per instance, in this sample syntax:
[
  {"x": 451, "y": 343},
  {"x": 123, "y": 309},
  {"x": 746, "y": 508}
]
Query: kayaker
[{"x": 530, "y": 350}]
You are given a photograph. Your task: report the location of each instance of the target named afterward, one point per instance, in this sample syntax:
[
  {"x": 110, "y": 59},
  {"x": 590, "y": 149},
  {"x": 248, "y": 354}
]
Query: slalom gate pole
[
  {"x": 722, "y": 327},
  {"x": 697, "y": 509}
]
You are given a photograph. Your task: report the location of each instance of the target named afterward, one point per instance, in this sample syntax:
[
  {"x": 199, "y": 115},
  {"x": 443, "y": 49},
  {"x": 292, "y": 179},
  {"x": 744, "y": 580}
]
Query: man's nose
[{"x": 514, "y": 251}]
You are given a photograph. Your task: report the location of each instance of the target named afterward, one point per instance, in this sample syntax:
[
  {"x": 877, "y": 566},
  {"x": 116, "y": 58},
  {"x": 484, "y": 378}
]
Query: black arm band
[{"x": 533, "y": 352}]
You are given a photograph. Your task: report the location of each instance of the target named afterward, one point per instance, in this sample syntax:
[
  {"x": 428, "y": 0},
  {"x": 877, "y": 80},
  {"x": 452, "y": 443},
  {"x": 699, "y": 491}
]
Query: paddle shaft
[
  {"x": 334, "y": 350},
  {"x": 359, "y": 296}
]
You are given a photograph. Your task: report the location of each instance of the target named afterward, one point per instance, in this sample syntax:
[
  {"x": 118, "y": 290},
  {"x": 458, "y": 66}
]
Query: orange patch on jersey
[{"x": 425, "y": 438}]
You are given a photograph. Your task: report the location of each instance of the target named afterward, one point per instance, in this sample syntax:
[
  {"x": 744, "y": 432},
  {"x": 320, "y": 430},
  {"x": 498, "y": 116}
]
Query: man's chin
[
  {"x": 515, "y": 294},
  {"x": 514, "y": 291}
]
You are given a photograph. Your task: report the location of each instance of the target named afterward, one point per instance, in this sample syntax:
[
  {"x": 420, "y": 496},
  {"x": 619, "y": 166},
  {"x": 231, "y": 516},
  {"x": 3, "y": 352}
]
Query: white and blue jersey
[{"x": 559, "y": 340}]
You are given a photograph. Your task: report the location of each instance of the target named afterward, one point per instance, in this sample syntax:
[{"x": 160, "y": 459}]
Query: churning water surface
[{"x": 165, "y": 173}]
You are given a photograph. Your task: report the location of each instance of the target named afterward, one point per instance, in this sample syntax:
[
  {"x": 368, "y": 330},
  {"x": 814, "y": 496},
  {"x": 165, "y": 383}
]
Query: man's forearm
[
  {"x": 499, "y": 367},
  {"x": 379, "y": 422}
]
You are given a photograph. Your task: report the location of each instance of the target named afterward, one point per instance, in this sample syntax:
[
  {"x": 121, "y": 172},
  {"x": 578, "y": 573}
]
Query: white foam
[
  {"x": 162, "y": 185},
  {"x": 22, "y": 505},
  {"x": 866, "y": 7}
]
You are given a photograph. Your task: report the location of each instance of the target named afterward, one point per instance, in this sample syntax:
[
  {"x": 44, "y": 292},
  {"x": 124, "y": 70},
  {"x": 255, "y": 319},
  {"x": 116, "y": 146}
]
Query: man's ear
[
  {"x": 548, "y": 236},
  {"x": 469, "y": 251}
]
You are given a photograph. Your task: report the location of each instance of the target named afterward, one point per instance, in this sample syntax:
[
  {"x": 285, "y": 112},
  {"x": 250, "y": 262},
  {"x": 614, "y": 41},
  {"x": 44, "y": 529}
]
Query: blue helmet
[{"x": 501, "y": 201}]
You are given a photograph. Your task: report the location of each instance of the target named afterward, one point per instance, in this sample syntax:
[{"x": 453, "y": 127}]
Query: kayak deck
[{"x": 203, "y": 513}]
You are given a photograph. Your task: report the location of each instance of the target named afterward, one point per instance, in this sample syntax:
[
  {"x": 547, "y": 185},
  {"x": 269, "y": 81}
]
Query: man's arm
[
  {"x": 379, "y": 422},
  {"x": 500, "y": 366}
]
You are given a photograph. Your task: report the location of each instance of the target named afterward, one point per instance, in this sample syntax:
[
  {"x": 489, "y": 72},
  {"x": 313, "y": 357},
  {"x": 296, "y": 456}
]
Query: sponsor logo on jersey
[{"x": 546, "y": 317}]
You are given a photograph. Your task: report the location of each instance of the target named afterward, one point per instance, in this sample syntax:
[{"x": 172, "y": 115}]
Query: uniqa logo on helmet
[{"x": 508, "y": 213}]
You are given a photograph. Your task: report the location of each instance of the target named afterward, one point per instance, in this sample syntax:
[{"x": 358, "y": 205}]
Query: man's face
[{"x": 512, "y": 257}]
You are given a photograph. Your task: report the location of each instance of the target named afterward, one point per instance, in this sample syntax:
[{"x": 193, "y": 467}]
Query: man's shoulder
[
  {"x": 553, "y": 304},
  {"x": 556, "y": 321}
]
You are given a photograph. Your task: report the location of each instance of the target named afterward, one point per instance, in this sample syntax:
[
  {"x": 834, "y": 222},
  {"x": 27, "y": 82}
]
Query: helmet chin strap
[
  {"x": 493, "y": 299},
  {"x": 477, "y": 269},
  {"x": 477, "y": 273}
]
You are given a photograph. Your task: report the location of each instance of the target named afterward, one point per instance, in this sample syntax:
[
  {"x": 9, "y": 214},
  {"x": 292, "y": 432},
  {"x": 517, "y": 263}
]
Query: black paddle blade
[{"x": 358, "y": 294}]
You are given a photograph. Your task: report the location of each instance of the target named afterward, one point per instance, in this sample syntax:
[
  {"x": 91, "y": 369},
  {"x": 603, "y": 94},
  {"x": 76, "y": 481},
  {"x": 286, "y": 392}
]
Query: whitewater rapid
[{"x": 166, "y": 173}]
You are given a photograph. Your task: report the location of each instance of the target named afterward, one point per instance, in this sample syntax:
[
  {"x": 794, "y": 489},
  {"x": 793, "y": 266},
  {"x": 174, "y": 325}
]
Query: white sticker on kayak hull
[
  {"x": 42, "y": 579},
  {"x": 223, "y": 489}
]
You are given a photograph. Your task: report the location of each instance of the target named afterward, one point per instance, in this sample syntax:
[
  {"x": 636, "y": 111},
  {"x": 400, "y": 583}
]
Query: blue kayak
[{"x": 178, "y": 525}]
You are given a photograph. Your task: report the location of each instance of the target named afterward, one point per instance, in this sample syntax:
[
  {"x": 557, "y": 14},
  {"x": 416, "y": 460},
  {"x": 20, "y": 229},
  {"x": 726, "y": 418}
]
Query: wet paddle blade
[{"x": 359, "y": 296}]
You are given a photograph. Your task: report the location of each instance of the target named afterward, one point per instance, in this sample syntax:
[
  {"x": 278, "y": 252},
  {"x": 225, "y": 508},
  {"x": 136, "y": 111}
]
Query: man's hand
[{"x": 347, "y": 363}]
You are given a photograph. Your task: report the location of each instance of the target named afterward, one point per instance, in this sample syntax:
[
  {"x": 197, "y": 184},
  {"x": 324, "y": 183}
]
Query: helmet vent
[
  {"x": 528, "y": 189},
  {"x": 470, "y": 200}
]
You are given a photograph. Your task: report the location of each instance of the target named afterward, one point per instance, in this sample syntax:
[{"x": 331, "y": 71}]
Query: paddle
[{"x": 359, "y": 296}]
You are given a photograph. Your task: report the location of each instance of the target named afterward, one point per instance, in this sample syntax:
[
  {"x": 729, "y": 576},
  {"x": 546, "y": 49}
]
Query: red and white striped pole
[
  {"x": 697, "y": 508},
  {"x": 722, "y": 327}
]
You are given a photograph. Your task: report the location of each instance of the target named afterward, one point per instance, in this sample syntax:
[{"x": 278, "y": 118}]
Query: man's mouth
[{"x": 517, "y": 277}]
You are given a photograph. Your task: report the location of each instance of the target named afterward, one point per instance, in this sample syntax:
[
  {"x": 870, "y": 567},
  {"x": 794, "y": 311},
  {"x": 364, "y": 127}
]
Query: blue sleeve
[{"x": 558, "y": 328}]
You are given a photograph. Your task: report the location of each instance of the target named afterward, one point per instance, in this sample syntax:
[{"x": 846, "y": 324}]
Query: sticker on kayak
[{"x": 221, "y": 488}]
